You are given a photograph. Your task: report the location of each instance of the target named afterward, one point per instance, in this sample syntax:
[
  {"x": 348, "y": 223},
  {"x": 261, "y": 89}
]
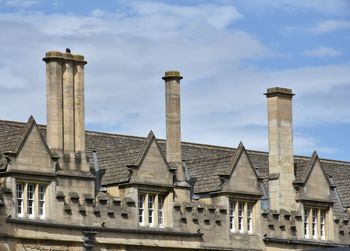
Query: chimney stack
[
  {"x": 173, "y": 122},
  {"x": 65, "y": 102},
  {"x": 281, "y": 156}
]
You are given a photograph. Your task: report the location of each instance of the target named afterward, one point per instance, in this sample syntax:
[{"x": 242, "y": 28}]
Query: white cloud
[
  {"x": 123, "y": 49},
  {"x": 322, "y": 52},
  {"x": 329, "y": 7},
  {"x": 330, "y": 26},
  {"x": 222, "y": 102},
  {"x": 306, "y": 145},
  {"x": 21, "y": 3}
]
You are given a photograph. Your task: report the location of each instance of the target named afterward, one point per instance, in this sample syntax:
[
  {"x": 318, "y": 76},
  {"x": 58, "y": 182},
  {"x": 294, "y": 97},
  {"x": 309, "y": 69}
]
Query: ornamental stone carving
[{"x": 4, "y": 161}]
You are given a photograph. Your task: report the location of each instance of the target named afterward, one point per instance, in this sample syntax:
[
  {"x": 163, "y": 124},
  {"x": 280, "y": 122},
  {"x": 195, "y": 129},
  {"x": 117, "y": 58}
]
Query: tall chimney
[
  {"x": 54, "y": 97},
  {"x": 281, "y": 156},
  {"x": 65, "y": 102},
  {"x": 79, "y": 105},
  {"x": 173, "y": 122}
]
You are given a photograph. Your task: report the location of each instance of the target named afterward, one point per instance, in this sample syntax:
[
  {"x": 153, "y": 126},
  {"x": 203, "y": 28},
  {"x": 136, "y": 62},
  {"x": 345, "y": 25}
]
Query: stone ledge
[
  {"x": 304, "y": 241},
  {"x": 56, "y": 55},
  {"x": 102, "y": 229}
]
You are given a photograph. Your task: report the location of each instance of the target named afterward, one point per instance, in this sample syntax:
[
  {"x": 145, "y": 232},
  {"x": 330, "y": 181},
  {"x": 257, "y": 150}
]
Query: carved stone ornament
[{"x": 4, "y": 161}]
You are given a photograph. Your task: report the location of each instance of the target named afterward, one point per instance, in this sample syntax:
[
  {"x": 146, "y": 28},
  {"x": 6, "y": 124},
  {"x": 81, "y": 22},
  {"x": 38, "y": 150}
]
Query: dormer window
[
  {"x": 31, "y": 200},
  {"x": 241, "y": 216},
  {"x": 151, "y": 209},
  {"x": 315, "y": 223}
]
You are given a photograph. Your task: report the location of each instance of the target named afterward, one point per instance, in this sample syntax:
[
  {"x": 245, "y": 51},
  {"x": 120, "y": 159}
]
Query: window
[
  {"x": 19, "y": 199},
  {"x": 241, "y": 216},
  {"x": 232, "y": 216},
  {"x": 315, "y": 223},
  {"x": 161, "y": 210},
  {"x": 141, "y": 209},
  {"x": 306, "y": 222},
  {"x": 151, "y": 209},
  {"x": 322, "y": 223},
  {"x": 249, "y": 217},
  {"x": 30, "y": 200},
  {"x": 41, "y": 205}
]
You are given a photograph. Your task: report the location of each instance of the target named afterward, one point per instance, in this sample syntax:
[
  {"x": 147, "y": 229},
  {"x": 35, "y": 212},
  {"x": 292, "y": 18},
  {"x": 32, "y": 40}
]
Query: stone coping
[
  {"x": 279, "y": 92},
  {"x": 168, "y": 75},
  {"x": 62, "y": 55}
]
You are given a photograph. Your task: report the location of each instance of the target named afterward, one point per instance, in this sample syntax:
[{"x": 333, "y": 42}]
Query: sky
[{"x": 229, "y": 53}]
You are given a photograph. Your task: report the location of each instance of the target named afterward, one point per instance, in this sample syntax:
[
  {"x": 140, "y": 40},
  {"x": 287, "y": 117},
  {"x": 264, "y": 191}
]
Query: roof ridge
[
  {"x": 211, "y": 158},
  {"x": 115, "y": 134},
  {"x": 336, "y": 161},
  {"x": 208, "y": 145},
  {"x": 12, "y": 122}
]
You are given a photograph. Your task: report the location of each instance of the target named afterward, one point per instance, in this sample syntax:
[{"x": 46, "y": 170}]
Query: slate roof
[
  {"x": 207, "y": 171},
  {"x": 10, "y": 134},
  {"x": 204, "y": 162}
]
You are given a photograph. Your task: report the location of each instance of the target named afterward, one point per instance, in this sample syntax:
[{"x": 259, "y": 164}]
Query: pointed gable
[
  {"x": 32, "y": 151},
  {"x": 151, "y": 166},
  {"x": 241, "y": 176},
  {"x": 316, "y": 184}
]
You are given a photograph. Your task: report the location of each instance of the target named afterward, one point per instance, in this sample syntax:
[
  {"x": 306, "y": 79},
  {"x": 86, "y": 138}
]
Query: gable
[
  {"x": 33, "y": 154},
  {"x": 243, "y": 178},
  {"x": 153, "y": 168},
  {"x": 317, "y": 186}
]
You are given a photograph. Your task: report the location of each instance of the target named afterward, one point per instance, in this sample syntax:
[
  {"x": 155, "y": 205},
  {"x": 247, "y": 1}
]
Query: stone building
[{"x": 64, "y": 188}]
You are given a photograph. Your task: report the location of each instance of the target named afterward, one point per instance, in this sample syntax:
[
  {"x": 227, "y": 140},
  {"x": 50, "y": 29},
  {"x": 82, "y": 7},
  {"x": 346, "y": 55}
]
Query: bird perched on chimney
[{"x": 67, "y": 50}]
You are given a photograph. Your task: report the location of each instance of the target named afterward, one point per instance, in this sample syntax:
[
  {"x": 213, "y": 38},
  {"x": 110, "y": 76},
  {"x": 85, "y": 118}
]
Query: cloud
[
  {"x": 128, "y": 50},
  {"x": 322, "y": 52},
  {"x": 330, "y": 26},
  {"x": 306, "y": 145},
  {"x": 329, "y": 7},
  {"x": 219, "y": 16},
  {"x": 125, "y": 52},
  {"x": 21, "y": 3}
]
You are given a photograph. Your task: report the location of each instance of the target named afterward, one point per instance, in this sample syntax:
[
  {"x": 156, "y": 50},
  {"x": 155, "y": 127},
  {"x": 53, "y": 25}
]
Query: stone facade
[{"x": 64, "y": 188}]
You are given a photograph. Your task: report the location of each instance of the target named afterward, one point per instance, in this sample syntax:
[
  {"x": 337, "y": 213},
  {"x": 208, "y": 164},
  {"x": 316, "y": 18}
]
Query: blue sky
[{"x": 229, "y": 52}]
